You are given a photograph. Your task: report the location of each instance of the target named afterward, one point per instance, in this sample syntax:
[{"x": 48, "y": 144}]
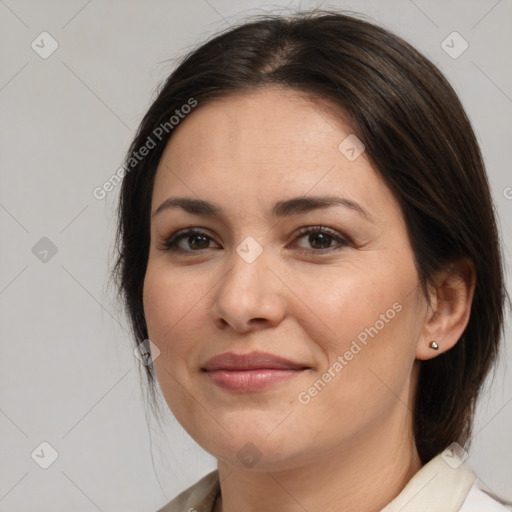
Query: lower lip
[{"x": 251, "y": 380}]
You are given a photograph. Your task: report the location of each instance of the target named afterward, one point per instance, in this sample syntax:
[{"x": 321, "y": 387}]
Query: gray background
[{"x": 68, "y": 373}]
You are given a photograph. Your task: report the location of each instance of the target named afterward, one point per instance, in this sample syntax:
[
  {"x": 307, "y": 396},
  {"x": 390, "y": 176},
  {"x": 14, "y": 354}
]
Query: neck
[{"x": 363, "y": 474}]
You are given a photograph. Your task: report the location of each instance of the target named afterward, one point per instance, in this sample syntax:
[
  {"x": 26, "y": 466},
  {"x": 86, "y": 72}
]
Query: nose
[{"x": 249, "y": 296}]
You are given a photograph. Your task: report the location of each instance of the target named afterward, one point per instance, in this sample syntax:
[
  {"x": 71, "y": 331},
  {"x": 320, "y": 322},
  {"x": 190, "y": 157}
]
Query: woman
[{"x": 306, "y": 236}]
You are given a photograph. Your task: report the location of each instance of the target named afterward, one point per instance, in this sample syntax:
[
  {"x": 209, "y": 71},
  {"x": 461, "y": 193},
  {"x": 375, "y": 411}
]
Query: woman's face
[{"x": 341, "y": 303}]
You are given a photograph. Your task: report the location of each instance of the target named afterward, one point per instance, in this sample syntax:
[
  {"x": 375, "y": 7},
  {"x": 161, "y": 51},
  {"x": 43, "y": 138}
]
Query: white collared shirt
[{"x": 438, "y": 486}]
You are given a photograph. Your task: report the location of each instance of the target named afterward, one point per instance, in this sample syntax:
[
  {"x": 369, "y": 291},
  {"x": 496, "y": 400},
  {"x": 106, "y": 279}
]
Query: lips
[
  {"x": 250, "y": 372},
  {"x": 252, "y": 361}
]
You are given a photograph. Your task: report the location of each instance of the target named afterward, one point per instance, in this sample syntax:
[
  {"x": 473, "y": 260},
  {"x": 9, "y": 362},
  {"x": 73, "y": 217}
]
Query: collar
[{"x": 441, "y": 485}]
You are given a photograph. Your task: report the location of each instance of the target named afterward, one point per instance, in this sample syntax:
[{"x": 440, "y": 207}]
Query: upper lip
[{"x": 250, "y": 361}]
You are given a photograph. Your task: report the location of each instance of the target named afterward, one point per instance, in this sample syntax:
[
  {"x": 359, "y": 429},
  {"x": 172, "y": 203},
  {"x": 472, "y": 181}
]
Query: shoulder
[
  {"x": 478, "y": 500},
  {"x": 198, "y": 497}
]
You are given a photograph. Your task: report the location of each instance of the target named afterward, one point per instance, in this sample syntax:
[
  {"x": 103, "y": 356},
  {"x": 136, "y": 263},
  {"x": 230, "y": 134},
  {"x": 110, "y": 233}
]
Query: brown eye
[
  {"x": 199, "y": 241},
  {"x": 321, "y": 239},
  {"x": 189, "y": 240}
]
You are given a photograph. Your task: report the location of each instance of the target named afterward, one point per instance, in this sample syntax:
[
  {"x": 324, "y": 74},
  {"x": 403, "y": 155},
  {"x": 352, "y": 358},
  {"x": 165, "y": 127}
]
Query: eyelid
[
  {"x": 323, "y": 229},
  {"x": 169, "y": 243}
]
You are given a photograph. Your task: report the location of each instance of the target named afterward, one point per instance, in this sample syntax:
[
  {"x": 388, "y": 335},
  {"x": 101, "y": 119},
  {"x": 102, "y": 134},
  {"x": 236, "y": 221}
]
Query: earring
[{"x": 434, "y": 345}]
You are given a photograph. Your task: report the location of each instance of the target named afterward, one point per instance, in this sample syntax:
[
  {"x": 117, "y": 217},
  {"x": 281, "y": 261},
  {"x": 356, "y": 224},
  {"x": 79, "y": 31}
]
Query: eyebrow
[{"x": 281, "y": 209}]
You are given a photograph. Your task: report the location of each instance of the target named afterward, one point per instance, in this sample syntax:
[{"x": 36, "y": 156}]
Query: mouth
[{"x": 251, "y": 372}]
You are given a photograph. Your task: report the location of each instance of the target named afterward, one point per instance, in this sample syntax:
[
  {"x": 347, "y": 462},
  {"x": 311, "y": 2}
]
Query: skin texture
[{"x": 351, "y": 446}]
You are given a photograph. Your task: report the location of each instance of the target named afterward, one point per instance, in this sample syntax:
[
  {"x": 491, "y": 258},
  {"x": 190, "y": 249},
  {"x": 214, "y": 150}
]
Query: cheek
[
  {"x": 159, "y": 304},
  {"x": 366, "y": 363},
  {"x": 364, "y": 324},
  {"x": 171, "y": 307},
  {"x": 172, "y": 310},
  {"x": 344, "y": 303}
]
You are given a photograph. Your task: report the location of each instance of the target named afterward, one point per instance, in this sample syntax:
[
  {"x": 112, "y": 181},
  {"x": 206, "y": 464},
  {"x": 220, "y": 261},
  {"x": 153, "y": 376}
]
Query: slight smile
[{"x": 250, "y": 372}]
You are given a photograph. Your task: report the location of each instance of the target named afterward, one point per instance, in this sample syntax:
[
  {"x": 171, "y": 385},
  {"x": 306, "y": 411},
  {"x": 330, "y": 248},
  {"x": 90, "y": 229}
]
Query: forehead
[
  {"x": 247, "y": 127},
  {"x": 266, "y": 144}
]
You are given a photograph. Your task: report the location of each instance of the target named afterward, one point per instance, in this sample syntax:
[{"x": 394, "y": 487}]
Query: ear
[{"x": 447, "y": 317}]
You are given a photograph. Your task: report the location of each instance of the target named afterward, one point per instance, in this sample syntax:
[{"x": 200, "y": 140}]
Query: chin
[{"x": 252, "y": 450}]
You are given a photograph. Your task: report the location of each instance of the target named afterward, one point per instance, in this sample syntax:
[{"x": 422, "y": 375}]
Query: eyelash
[{"x": 170, "y": 243}]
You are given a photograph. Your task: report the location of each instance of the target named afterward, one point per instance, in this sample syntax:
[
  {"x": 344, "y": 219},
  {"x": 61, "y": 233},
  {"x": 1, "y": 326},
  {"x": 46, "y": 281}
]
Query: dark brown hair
[{"x": 417, "y": 135}]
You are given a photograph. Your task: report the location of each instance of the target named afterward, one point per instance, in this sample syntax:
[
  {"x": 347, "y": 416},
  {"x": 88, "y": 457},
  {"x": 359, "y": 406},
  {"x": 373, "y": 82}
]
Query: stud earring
[{"x": 434, "y": 345}]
